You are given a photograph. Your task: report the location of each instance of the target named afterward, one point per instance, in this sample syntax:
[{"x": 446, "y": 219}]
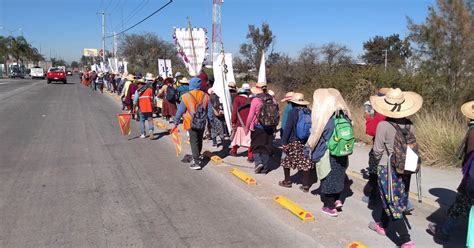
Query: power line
[
  {"x": 135, "y": 11},
  {"x": 158, "y": 10}
]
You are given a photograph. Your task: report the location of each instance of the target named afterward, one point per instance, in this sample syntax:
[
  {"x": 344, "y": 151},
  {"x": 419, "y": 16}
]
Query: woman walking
[
  {"x": 396, "y": 106},
  {"x": 169, "y": 94},
  {"x": 331, "y": 169},
  {"x": 218, "y": 126},
  {"x": 295, "y": 134},
  {"x": 465, "y": 197},
  {"x": 240, "y": 112}
]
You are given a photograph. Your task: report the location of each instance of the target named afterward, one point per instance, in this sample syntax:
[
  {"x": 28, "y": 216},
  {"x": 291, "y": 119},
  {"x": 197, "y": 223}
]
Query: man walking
[
  {"x": 194, "y": 107},
  {"x": 144, "y": 98}
]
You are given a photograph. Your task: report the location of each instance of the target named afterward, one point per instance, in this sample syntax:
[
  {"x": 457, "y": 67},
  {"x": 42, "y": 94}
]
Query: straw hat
[
  {"x": 149, "y": 76},
  {"x": 397, "y": 103},
  {"x": 140, "y": 81},
  {"x": 382, "y": 91},
  {"x": 130, "y": 77},
  {"x": 467, "y": 110},
  {"x": 258, "y": 89},
  {"x": 288, "y": 96},
  {"x": 232, "y": 85},
  {"x": 298, "y": 98},
  {"x": 178, "y": 74},
  {"x": 184, "y": 80}
]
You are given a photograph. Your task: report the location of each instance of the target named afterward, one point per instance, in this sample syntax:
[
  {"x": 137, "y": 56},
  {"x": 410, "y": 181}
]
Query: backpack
[
  {"x": 404, "y": 138},
  {"x": 199, "y": 116},
  {"x": 269, "y": 115},
  {"x": 342, "y": 139},
  {"x": 303, "y": 125},
  {"x": 171, "y": 94}
]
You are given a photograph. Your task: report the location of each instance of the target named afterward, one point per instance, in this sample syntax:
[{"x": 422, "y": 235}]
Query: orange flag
[
  {"x": 177, "y": 141},
  {"x": 124, "y": 122}
]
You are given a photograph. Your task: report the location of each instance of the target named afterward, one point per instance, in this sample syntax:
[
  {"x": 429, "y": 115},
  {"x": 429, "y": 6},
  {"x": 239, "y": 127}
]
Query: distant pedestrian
[
  {"x": 331, "y": 162},
  {"x": 132, "y": 88},
  {"x": 394, "y": 186},
  {"x": 100, "y": 82},
  {"x": 143, "y": 99},
  {"x": 262, "y": 121},
  {"x": 240, "y": 112},
  {"x": 459, "y": 210},
  {"x": 296, "y": 133},
  {"x": 170, "y": 95},
  {"x": 195, "y": 108}
]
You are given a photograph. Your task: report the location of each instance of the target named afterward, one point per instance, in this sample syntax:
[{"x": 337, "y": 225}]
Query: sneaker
[
  {"x": 151, "y": 135},
  {"x": 409, "y": 244},
  {"x": 259, "y": 168},
  {"x": 195, "y": 166},
  {"x": 374, "y": 226},
  {"x": 434, "y": 230},
  {"x": 338, "y": 204},
  {"x": 330, "y": 211},
  {"x": 142, "y": 136}
]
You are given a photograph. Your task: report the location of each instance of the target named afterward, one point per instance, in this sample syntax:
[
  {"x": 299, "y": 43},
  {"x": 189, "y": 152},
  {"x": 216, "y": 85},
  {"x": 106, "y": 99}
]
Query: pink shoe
[
  {"x": 377, "y": 228},
  {"x": 338, "y": 204},
  {"x": 330, "y": 211},
  {"x": 409, "y": 244}
]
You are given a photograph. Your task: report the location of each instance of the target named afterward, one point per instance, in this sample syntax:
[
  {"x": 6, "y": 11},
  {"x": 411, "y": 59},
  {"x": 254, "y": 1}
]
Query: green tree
[
  {"x": 143, "y": 51},
  {"x": 258, "y": 40},
  {"x": 74, "y": 64},
  {"x": 445, "y": 50},
  {"x": 397, "y": 50}
]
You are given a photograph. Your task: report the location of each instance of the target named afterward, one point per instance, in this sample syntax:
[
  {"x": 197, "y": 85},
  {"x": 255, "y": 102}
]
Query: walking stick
[
  {"x": 389, "y": 176},
  {"x": 418, "y": 185}
]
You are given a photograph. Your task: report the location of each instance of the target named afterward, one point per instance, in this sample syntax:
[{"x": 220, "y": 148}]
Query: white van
[{"x": 37, "y": 72}]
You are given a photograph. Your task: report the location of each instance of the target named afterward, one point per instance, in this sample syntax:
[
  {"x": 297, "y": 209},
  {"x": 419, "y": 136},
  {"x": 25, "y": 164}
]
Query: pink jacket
[{"x": 254, "y": 111}]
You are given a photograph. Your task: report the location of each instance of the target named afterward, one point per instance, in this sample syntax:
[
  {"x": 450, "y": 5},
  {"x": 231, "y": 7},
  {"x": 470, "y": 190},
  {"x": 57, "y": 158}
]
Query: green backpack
[{"x": 342, "y": 139}]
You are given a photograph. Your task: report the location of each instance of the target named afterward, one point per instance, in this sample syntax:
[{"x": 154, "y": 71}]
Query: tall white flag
[{"x": 262, "y": 75}]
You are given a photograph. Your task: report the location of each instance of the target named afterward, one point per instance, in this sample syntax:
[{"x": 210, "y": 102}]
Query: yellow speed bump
[
  {"x": 356, "y": 244},
  {"x": 294, "y": 208},
  {"x": 216, "y": 159},
  {"x": 243, "y": 176},
  {"x": 160, "y": 125}
]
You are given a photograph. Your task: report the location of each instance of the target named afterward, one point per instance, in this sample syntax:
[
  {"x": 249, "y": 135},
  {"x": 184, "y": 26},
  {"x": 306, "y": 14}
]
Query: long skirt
[
  {"x": 261, "y": 141},
  {"x": 460, "y": 207},
  {"x": 169, "y": 108},
  {"x": 334, "y": 182},
  {"x": 295, "y": 157},
  {"x": 218, "y": 128},
  {"x": 240, "y": 138},
  {"x": 393, "y": 206}
]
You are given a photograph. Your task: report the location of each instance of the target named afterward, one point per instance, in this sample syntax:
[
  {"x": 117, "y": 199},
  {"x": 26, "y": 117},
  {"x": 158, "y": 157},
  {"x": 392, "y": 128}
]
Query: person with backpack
[
  {"x": 143, "y": 100},
  {"x": 196, "y": 109},
  {"x": 170, "y": 96},
  {"x": 459, "y": 210},
  {"x": 296, "y": 133},
  {"x": 286, "y": 111},
  {"x": 183, "y": 87},
  {"x": 262, "y": 121},
  {"x": 395, "y": 136},
  {"x": 329, "y": 145},
  {"x": 240, "y": 112}
]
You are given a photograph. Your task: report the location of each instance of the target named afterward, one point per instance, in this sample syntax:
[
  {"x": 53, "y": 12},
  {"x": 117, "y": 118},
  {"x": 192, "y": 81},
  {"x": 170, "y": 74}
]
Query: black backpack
[
  {"x": 269, "y": 115},
  {"x": 199, "y": 116},
  {"x": 171, "y": 94}
]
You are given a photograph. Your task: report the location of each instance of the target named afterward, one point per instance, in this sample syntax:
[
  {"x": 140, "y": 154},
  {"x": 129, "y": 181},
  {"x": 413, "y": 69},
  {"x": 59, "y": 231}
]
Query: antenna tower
[{"x": 216, "y": 27}]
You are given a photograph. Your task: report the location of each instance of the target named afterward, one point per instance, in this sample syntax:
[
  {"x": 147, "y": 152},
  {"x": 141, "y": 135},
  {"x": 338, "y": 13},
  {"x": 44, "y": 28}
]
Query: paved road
[{"x": 68, "y": 179}]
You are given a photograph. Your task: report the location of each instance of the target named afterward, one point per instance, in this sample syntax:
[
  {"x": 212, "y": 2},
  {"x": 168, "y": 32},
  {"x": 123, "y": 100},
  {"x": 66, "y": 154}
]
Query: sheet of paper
[{"x": 411, "y": 160}]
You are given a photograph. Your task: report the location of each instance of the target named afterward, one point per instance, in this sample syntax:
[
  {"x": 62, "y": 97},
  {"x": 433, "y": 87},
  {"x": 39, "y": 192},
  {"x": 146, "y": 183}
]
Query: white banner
[
  {"x": 223, "y": 75},
  {"x": 113, "y": 64},
  {"x": 262, "y": 75},
  {"x": 192, "y": 50},
  {"x": 164, "y": 68}
]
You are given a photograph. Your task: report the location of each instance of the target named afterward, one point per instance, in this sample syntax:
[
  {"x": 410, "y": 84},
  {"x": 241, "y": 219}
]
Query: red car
[{"x": 56, "y": 74}]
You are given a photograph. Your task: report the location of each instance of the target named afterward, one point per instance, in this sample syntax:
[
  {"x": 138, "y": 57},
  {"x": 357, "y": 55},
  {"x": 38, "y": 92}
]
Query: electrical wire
[
  {"x": 135, "y": 11},
  {"x": 136, "y": 24}
]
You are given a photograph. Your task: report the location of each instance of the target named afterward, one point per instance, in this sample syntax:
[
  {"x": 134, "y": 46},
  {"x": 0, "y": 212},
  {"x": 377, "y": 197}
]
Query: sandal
[
  {"x": 304, "y": 188},
  {"x": 286, "y": 184}
]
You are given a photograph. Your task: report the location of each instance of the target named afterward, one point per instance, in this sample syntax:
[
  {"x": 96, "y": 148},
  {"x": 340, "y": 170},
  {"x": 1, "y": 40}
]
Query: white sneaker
[{"x": 142, "y": 136}]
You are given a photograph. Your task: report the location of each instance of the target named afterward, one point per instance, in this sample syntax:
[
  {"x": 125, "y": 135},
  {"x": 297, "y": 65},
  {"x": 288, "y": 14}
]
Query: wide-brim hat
[
  {"x": 288, "y": 96},
  {"x": 232, "y": 85},
  {"x": 256, "y": 90},
  {"x": 245, "y": 87},
  {"x": 140, "y": 81},
  {"x": 397, "y": 104},
  {"x": 184, "y": 80},
  {"x": 130, "y": 77},
  {"x": 467, "y": 110},
  {"x": 298, "y": 98},
  {"x": 261, "y": 84},
  {"x": 149, "y": 76}
]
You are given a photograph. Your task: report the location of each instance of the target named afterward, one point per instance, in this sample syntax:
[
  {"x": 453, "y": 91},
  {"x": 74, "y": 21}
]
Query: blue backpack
[{"x": 303, "y": 125}]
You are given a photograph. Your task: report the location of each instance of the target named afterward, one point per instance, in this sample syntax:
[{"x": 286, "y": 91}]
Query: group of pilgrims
[{"x": 311, "y": 139}]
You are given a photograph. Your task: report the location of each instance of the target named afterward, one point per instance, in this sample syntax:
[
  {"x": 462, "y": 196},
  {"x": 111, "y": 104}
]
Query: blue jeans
[{"x": 149, "y": 118}]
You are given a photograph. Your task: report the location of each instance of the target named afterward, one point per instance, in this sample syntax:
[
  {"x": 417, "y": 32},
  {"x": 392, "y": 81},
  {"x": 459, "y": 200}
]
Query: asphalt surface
[{"x": 69, "y": 179}]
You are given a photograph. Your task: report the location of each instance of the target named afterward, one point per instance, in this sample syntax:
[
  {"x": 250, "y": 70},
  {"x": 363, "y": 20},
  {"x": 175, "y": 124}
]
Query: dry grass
[{"x": 439, "y": 134}]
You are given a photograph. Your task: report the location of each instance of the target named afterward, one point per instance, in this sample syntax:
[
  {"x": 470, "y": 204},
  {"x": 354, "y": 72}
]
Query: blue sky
[{"x": 65, "y": 27}]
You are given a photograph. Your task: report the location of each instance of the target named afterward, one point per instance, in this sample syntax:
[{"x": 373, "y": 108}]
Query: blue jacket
[
  {"x": 289, "y": 131},
  {"x": 321, "y": 147},
  {"x": 194, "y": 84},
  {"x": 285, "y": 114}
]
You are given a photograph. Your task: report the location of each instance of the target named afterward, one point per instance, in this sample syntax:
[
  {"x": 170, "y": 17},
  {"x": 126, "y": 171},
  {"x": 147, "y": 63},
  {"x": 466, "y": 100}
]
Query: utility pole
[
  {"x": 103, "y": 36},
  {"x": 115, "y": 45},
  {"x": 385, "y": 53}
]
